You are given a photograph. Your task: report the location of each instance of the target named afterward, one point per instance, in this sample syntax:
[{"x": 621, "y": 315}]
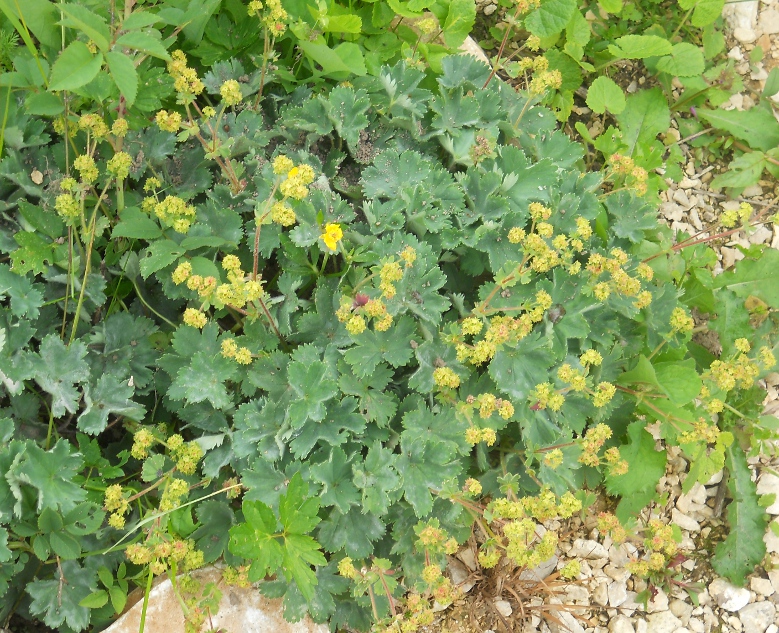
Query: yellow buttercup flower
[{"x": 332, "y": 235}]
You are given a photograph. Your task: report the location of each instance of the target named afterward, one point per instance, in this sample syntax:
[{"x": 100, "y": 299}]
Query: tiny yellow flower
[{"x": 332, "y": 235}]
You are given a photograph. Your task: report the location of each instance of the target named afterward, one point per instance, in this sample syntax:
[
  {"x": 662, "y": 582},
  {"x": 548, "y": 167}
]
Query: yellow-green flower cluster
[
  {"x": 474, "y": 435},
  {"x": 609, "y": 524},
  {"x": 544, "y": 396},
  {"x": 389, "y": 274},
  {"x": 732, "y": 217},
  {"x": 159, "y": 555},
  {"x": 661, "y": 546},
  {"x": 354, "y": 311},
  {"x": 94, "y": 124},
  {"x": 274, "y": 17},
  {"x": 553, "y": 459},
  {"x": 295, "y": 185},
  {"x": 119, "y": 128},
  {"x": 633, "y": 176},
  {"x": 230, "y": 91},
  {"x": 571, "y": 570},
  {"x": 283, "y": 214},
  {"x": 195, "y": 318},
  {"x": 186, "y": 455},
  {"x": 681, "y": 321},
  {"x": 241, "y": 355},
  {"x": 591, "y": 357},
  {"x": 174, "y": 212},
  {"x": 67, "y": 206},
  {"x": 168, "y": 121},
  {"x": 119, "y": 165},
  {"x": 116, "y": 503},
  {"x": 592, "y": 442},
  {"x": 143, "y": 439},
  {"x": 175, "y": 489},
  {"x": 85, "y": 165},
  {"x": 616, "y": 465},
  {"x": 346, "y": 568},
  {"x": 185, "y": 79},
  {"x": 446, "y": 378},
  {"x": 621, "y": 282},
  {"x": 701, "y": 432},
  {"x": 236, "y": 576},
  {"x": 472, "y": 487},
  {"x": 740, "y": 371}
]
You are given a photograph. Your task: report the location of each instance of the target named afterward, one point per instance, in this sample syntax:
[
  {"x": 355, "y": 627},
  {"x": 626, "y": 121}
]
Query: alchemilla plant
[{"x": 325, "y": 336}]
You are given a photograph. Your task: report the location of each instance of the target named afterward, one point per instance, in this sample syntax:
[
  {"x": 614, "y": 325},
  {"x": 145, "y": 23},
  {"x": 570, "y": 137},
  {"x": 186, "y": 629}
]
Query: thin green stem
[{"x": 149, "y": 581}]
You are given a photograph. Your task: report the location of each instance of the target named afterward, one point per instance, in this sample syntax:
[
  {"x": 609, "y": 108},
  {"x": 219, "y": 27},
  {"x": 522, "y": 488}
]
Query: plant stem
[{"x": 149, "y": 581}]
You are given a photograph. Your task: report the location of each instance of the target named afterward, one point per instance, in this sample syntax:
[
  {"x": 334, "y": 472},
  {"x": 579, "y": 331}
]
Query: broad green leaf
[
  {"x": 124, "y": 74},
  {"x": 38, "y": 17},
  {"x": 756, "y": 127},
  {"x": 645, "y": 467},
  {"x": 604, "y": 94},
  {"x": 685, "y": 60},
  {"x": 743, "y": 548},
  {"x": 64, "y": 545},
  {"x": 742, "y": 171},
  {"x": 348, "y": 23},
  {"x": 335, "y": 475},
  {"x": 640, "y": 47},
  {"x": 705, "y": 12},
  {"x": 754, "y": 277},
  {"x": 679, "y": 380},
  {"x": 75, "y": 67},
  {"x": 351, "y": 531},
  {"x": 143, "y": 42},
  {"x": 550, "y": 18},
  {"x": 203, "y": 379},
  {"x": 139, "y": 19},
  {"x": 392, "y": 346},
  {"x": 215, "y": 519},
  {"x": 378, "y": 479},
  {"x": 459, "y": 22},
  {"x": 345, "y": 58},
  {"x": 44, "y": 104},
  {"x": 611, "y": 6},
  {"x": 646, "y": 115},
  {"x": 136, "y": 224},
  {"x": 95, "y": 600},
  {"x": 92, "y": 25},
  {"x": 160, "y": 254}
]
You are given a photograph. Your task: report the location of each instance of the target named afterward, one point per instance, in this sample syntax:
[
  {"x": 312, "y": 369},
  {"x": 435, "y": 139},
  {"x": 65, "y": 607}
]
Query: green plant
[
  {"x": 357, "y": 307},
  {"x": 595, "y": 45}
]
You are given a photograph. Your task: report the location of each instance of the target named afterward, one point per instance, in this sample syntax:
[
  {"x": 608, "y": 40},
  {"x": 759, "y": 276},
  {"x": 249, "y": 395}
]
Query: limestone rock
[
  {"x": 663, "y": 622},
  {"x": 757, "y": 617},
  {"x": 621, "y": 624},
  {"x": 244, "y": 610},
  {"x": 587, "y": 549},
  {"x": 727, "y": 596}
]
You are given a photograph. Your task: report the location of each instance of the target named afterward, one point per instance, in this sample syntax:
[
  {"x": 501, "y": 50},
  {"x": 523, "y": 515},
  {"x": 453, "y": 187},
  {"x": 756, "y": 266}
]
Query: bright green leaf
[
  {"x": 75, "y": 67},
  {"x": 604, "y": 94}
]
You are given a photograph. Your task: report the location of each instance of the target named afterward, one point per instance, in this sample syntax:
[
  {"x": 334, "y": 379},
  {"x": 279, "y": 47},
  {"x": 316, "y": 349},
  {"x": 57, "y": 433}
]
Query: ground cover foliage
[
  {"x": 679, "y": 47},
  {"x": 317, "y": 304}
]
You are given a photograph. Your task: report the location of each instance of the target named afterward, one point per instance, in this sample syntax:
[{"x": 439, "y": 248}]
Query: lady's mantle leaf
[
  {"x": 58, "y": 369},
  {"x": 738, "y": 554},
  {"x": 109, "y": 396},
  {"x": 58, "y": 602}
]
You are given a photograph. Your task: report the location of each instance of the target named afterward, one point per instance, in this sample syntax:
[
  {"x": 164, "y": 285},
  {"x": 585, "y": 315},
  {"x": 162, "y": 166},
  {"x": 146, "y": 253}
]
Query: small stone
[
  {"x": 685, "y": 522},
  {"x": 489, "y": 10},
  {"x": 752, "y": 191},
  {"x": 568, "y": 623},
  {"x": 727, "y": 596},
  {"x": 600, "y": 594},
  {"x": 503, "y": 607},
  {"x": 715, "y": 479},
  {"x": 735, "y": 53},
  {"x": 682, "y": 610},
  {"x": 663, "y": 622},
  {"x": 757, "y": 617},
  {"x": 771, "y": 541},
  {"x": 618, "y": 593},
  {"x": 761, "y": 586},
  {"x": 769, "y": 22},
  {"x": 772, "y": 629},
  {"x": 658, "y": 602},
  {"x": 681, "y": 197},
  {"x": 769, "y": 485},
  {"x": 730, "y": 256},
  {"x": 745, "y": 36},
  {"x": 621, "y": 624},
  {"x": 467, "y": 556},
  {"x": 587, "y": 549},
  {"x": 541, "y": 572},
  {"x": 762, "y": 235},
  {"x": 577, "y": 594},
  {"x": 619, "y": 574}
]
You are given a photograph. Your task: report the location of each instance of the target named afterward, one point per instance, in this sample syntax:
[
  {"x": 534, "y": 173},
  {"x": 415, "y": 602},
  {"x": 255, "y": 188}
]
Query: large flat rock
[{"x": 240, "y": 611}]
